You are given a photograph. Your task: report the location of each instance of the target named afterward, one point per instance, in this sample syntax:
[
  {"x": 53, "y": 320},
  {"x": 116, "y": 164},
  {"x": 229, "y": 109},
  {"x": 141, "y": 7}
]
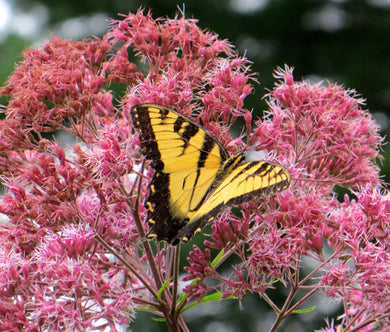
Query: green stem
[{"x": 175, "y": 278}]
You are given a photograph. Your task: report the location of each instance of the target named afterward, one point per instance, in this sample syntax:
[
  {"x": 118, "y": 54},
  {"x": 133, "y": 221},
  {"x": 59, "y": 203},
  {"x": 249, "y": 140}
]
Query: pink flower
[
  {"x": 63, "y": 73},
  {"x": 75, "y": 252},
  {"x": 199, "y": 264},
  {"x": 331, "y": 137}
]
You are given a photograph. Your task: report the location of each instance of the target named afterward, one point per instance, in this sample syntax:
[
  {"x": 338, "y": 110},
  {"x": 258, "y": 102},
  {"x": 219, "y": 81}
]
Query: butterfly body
[{"x": 194, "y": 176}]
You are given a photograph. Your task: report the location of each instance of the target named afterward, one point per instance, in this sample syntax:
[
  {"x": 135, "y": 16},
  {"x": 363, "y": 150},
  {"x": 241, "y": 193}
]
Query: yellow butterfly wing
[
  {"x": 187, "y": 161},
  {"x": 240, "y": 183},
  {"x": 194, "y": 177}
]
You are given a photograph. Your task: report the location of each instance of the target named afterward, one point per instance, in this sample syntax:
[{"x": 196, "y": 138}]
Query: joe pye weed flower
[{"x": 74, "y": 255}]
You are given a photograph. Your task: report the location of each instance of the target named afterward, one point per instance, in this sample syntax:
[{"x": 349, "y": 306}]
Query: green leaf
[
  {"x": 165, "y": 284},
  {"x": 210, "y": 298},
  {"x": 218, "y": 258},
  {"x": 299, "y": 311},
  {"x": 158, "y": 319}
]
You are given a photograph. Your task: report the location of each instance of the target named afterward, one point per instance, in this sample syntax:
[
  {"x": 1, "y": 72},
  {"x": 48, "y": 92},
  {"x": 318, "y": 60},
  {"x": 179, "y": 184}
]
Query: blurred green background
[{"x": 342, "y": 41}]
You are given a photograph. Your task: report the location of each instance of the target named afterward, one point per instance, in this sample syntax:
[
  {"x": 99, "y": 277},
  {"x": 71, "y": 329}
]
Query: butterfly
[{"x": 194, "y": 176}]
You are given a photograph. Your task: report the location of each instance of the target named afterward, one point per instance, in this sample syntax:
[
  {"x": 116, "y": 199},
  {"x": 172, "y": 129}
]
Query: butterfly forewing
[{"x": 186, "y": 160}]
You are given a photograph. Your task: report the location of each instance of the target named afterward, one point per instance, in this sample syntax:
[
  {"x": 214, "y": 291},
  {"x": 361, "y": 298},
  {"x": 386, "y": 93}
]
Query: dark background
[{"x": 342, "y": 41}]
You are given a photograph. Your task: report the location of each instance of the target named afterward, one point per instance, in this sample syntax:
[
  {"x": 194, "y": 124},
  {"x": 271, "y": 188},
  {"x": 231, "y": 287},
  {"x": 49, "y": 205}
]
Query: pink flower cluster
[
  {"x": 324, "y": 128},
  {"x": 326, "y": 138},
  {"x": 74, "y": 254}
]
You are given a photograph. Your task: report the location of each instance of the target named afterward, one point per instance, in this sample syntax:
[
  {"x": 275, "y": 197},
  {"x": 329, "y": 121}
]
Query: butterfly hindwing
[
  {"x": 187, "y": 161},
  {"x": 244, "y": 181}
]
